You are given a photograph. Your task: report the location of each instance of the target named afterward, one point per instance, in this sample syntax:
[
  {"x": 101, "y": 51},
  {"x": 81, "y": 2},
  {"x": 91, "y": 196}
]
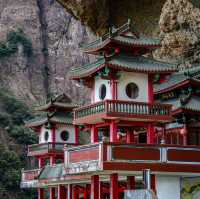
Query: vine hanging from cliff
[{"x": 10, "y": 46}]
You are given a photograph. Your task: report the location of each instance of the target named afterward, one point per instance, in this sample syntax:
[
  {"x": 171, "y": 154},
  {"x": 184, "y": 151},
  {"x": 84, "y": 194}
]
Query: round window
[
  {"x": 102, "y": 92},
  {"x": 64, "y": 135},
  {"x": 132, "y": 90},
  {"x": 46, "y": 135}
]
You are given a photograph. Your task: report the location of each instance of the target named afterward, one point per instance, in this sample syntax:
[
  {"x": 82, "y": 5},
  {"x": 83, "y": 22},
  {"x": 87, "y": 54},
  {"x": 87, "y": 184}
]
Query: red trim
[
  {"x": 114, "y": 186},
  {"x": 95, "y": 187},
  {"x": 155, "y": 167}
]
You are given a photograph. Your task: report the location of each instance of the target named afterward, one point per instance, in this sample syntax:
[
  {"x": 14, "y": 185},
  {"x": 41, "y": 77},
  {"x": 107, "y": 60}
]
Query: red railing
[
  {"x": 92, "y": 157},
  {"x": 123, "y": 107},
  {"x": 48, "y": 147},
  {"x": 30, "y": 174}
]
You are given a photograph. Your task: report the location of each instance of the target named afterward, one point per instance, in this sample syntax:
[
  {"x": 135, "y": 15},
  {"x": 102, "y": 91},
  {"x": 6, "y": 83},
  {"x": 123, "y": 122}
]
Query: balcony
[
  {"x": 29, "y": 178},
  {"x": 45, "y": 148},
  {"x": 132, "y": 157},
  {"x": 124, "y": 110}
]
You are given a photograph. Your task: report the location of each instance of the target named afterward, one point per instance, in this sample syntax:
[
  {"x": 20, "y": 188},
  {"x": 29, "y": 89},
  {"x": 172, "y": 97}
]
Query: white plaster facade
[
  {"x": 168, "y": 187},
  {"x": 71, "y": 131},
  {"x": 98, "y": 83},
  {"x": 68, "y": 128},
  {"x": 140, "y": 79}
]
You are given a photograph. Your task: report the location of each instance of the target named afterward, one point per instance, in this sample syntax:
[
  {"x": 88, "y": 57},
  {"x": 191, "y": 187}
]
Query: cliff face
[
  {"x": 55, "y": 37},
  {"x": 56, "y": 33},
  {"x": 180, "y": 29}
]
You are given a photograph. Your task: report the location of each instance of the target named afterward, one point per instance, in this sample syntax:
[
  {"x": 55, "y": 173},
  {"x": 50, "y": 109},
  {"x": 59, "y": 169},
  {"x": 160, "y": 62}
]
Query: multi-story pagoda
[
  {"x": 55, "y": 129},
  {"x": 128, "y": 127}
]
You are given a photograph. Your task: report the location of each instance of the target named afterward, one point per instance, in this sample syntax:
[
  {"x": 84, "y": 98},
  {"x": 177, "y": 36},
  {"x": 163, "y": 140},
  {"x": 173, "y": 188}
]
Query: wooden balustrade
[
  {"x": 90, "y": 157},
  {"x": 30, "y": 174},
  {"x": 45, "y": 148},
  {"x": 123, "y": 107}
]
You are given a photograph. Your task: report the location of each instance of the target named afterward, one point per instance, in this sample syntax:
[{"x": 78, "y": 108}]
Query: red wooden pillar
[
  {"x": 75, "y": 193},
  {"x": 53, "y": 135},
  {"x": 95, "y": 187},
  {"x": 94, "y": 134},
  {"x": 150, "y": 89},
  {"x": 101, "y": 190},
  {"x": 153, "y": 182},
  {"x": 114, "y": 89},
  {"x": 52, "y": 160},
  {"x": 129, "y": 136},
  {"x": 52, "y": 193},
  {"x": 62, "y": 192},
  {"x": 114, "y": 186},
  {"x": 150, "y": 134},
  {"x": 41, "y": 162},
  {"x": 76, "y": 134},
  {"x": 69, "y": 191},
  {"x": 130, "y": 182},
  {"x": 41, "y": 193},
  {"x": 185, "y": 135},
  {"x": 113, "y": 132}
]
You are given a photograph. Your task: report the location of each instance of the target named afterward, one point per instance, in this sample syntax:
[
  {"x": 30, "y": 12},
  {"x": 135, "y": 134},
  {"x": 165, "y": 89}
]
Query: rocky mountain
[
  {"x": 55, "y": 36},
  {"x": 56, "y": 33}
]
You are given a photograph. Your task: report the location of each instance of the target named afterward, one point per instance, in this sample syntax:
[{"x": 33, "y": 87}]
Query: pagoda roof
[
  {"x": 125, "y": 35},
  {"x": 190, "y": 104},
  {"x": 124, "y": 62},
  {"x": 60, "y": 102},
  {"x": 179, "y": 79},
  {"x": 50, "y": 172},
  {"x": 55, "y": 118}
]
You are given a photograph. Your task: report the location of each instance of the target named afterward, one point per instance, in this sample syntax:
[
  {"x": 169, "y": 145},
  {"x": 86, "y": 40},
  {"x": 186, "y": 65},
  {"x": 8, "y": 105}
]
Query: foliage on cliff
[
  {"x": 13, "y": 153},
  {"x": 10, "y": 46}
]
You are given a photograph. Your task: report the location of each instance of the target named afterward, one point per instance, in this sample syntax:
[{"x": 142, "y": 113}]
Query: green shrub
[{"x": 10, "y": 46}]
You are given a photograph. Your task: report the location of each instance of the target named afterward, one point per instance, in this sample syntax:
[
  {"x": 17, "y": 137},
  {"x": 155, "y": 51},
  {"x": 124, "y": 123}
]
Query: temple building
[{"x": 143, "y": 120}]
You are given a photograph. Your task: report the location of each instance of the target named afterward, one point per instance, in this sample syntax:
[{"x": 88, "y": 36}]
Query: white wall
[
  {"x": 69, "y": 128},
  {"x": 168, "y": 187},
  {"x": 71, "y": 131},
  {"x": 140, "y": 79},
  {"x": 98, "y": 83},
  {"x": 42, "y": 133}
]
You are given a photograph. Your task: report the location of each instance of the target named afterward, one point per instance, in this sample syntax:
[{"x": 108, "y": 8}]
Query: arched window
[
  {"x": 132, "y": 90},
  {"x": 46, "y": 135},
  {"x": 64, "y": 135},
  {"x": 102, "y": 92}
]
